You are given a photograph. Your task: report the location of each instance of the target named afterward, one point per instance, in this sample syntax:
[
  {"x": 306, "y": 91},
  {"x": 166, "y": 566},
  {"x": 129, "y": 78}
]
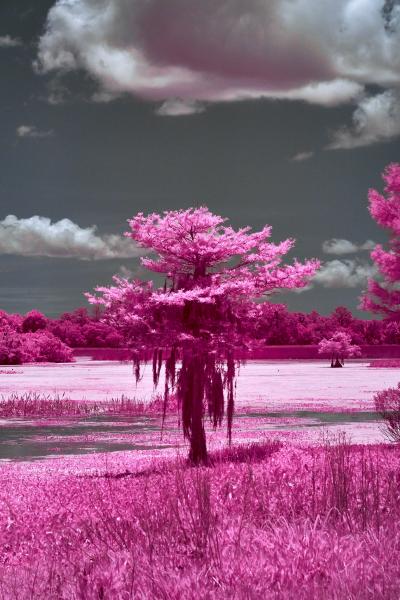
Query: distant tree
[
  {"x": 10, "y": 321},
  {"x": 342, "y": 317},
  {"x": 204, "y": 311},
  {"x": 338, "y": 347},
  {"x": 391, "y": 332},
  {"x": 383, "y": 295},
  {"x": 34, "y": 321}
]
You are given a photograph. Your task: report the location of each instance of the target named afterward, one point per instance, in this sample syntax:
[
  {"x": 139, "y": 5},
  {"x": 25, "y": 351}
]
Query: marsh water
[
  {"x": 272, "y": 396},
  {"x": 29, "y": 439}
]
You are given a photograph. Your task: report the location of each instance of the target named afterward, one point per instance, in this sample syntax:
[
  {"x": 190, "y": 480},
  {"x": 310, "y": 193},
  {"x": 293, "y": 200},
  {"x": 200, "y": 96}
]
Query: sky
[{"x": 282, "y": 112}]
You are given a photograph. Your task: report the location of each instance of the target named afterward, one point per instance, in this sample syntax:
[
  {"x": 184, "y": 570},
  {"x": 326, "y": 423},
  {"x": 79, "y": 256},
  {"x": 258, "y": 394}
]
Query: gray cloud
[
  {"x": 377, "y": 119},
  {"x": 302, "y": 156},
  {"x": 340, "y": 246},
  {"x": 38, "y": 236},
  {"x": 176, "y": 108},
  {"x": 30, "y": 131},
  {"x": 182, "y": 52},
  {"x": 344, "y": 274},
  {"x": 6, "y": 41}
]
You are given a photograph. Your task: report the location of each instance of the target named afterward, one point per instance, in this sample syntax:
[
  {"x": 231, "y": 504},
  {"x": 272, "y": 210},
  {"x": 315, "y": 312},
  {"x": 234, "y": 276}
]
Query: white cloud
[
  {"x": 177, "y": 107},
  {"x": 219, "y": 50},
  {"x": 339, "y": 246},
  {"x": 376, "y": 119},
  {"x": 38, "y": 236},
  {"x": 344, "y": 274},
  {"x": 302, "y": 156},
  {"x": 30, "y": 131},
  {"x": 6, "y": 41}
]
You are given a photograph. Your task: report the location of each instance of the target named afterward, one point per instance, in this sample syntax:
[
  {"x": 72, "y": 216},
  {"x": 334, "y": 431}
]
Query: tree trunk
[
  {"x": 337, "y": 364},
  {"x": 191, "y": 389}
]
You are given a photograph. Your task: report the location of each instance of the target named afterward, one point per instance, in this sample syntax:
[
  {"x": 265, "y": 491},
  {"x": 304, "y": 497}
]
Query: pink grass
[
  {"x": 392, "y": 363},
  {"x": 33, "y": 404},
  {"x": 269, "y": 522}
]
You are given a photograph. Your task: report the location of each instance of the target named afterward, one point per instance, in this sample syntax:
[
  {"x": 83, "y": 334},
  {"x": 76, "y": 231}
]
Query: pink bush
[
  {"x": 387, "y": 403},
  {"x": 34, "y": 321},
  {"x": 42, "y": 346}
]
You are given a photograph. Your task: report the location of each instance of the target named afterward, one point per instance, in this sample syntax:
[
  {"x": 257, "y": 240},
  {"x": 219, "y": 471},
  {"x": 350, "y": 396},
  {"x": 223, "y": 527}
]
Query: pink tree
[
  {"x": 383, "y": 295},
  {"x": 338, "y": 347},
  {"x": 203, "y": 312}
]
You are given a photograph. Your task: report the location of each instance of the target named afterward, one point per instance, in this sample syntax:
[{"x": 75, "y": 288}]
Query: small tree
[
  {"x": 383, "y": 295},
  {"x": 338, "y": 347},
  {"x": 34, "y": 321},
  {"x": 204, "y": 311}
]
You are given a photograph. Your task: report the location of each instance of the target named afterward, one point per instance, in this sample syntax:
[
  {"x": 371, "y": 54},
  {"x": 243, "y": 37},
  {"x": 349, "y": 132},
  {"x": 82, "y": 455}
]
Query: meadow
[{"x": 98, "y": 500}]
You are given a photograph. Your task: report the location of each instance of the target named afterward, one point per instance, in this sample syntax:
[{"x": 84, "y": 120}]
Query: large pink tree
[
  {"x": 383, "y": 295},
  {"x": 203, "y": 312}
]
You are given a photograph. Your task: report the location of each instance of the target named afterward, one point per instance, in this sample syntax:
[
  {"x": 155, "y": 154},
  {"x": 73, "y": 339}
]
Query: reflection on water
[{"x": 23, "y": 439}]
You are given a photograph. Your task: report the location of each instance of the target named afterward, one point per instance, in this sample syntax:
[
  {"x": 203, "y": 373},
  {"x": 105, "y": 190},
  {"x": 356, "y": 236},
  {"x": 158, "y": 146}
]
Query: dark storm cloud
[{"x": 218, "y": 51}]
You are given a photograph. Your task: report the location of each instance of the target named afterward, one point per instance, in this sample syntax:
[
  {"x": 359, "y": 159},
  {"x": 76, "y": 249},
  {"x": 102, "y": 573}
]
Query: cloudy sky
[{"x": 267, "y": 111}]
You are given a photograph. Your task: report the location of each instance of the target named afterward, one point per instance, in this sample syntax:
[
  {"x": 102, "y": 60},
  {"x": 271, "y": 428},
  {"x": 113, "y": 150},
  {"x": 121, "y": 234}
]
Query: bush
[
  {"x": 17, "y": 348},
  {"x": 34, "y": 321},
  {"x": 11, "y": 352},
  {"x": 387, "y": 403},
  {"x": 45, "y": 347}
]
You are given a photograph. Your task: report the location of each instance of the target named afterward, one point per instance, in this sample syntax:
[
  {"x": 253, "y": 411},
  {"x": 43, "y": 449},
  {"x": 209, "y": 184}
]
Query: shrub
[
  {"x": 387, "y": 403},
  {"x": 17, "y": 348},
  {"x": 34, "y": 321}
]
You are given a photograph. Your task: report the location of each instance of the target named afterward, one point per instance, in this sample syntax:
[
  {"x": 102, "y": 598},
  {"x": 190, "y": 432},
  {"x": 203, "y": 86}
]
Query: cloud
[
  {"x": 30, "y": 131},
  {"x": 301, "y": 156},
  {"x": 185, "y": 51},
  {"x": 176, "y": 108},
  {"x": 6, "y": 41},
  {"x": 38, "y": 236},
  {"x": 340, "y": 246},
  {"x": 344, "y": 274},
  {"x": 376, "y": 119}
]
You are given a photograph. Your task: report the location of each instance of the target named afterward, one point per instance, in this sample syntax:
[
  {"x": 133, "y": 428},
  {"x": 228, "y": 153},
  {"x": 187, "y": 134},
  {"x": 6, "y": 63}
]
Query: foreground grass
[{"x": 265, "y": 521}]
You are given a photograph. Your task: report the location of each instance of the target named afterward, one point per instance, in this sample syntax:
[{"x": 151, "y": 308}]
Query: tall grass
[
  {"x": 33, "y": 404},
  {"x": 306, "y": 523}
]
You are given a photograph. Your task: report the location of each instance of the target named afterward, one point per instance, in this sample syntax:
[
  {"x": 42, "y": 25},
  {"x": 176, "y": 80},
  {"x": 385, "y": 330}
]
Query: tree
[
  {"x": 34, "y": 321},
  {"x": 338, "y": 347},
  {"x": 383, "y": 295},
  {"x": 205, "y": 310}
]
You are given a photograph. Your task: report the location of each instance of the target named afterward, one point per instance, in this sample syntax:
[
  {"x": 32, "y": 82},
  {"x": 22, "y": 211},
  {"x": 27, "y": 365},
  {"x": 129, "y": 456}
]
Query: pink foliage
[
  {"x": 383, "y": 295},
  {"x": 41, "y": 346},
  {"x": 204, "y": 311},
  {"x": 338, "y": 347},
  {"x": 33, "y": 404},
  {"x": 34, "y": 321},
  {"x": 276, "y": 522}
]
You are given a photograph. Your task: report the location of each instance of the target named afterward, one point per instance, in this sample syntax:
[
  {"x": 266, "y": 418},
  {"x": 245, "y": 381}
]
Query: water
[
  {"x": 23, "y": 439},
  {"x": 27, "y": 439},
  {"x": 308, "y": 393}
]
